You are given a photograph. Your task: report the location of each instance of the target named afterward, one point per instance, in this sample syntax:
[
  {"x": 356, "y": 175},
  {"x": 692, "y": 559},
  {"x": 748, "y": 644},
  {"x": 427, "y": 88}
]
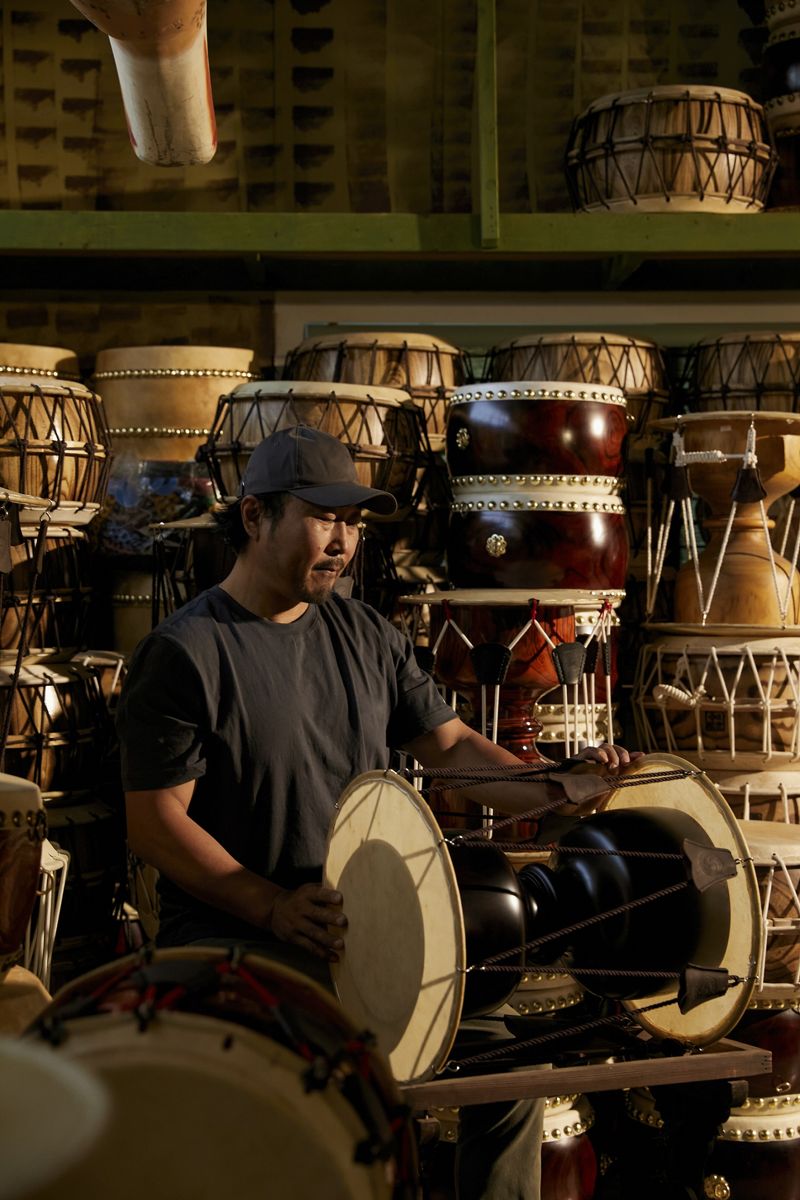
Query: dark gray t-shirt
[{"x": 272, "y": 721}]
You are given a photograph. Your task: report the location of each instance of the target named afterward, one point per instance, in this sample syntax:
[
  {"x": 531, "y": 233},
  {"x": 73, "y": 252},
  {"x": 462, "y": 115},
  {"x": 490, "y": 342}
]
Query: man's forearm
[{"x": 180, "y": 849}]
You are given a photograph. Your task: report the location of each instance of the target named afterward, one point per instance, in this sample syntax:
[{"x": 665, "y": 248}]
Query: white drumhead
[
  {"x": 733, "y": 937},
  {"x": 202, "y": 1108},
  {"x": 675, "y": 91},
  {"x": 360, "y": 393},
  {"x": 401, "y": 973},
  {"x": 381, "y": 339},
  {"x": 51, "y": 1114},
  {"x": 766, "y": 838},
  {"x": 764, "y": 421}
]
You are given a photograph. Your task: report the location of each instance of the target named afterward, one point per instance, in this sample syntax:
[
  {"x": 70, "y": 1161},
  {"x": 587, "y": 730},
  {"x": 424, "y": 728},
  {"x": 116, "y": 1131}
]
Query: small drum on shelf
[
  {"x": 59, "y": 725},
  {"x": 761, "y": 795},
  {"x": 160, "y": 402},
  {"x": 425, "y": 367},
  {"x": 208, "y": 1057},
  {"x": 614, "y": 360},
  {"x": 422, "y": 910},
  {"x": 22, "y": 831},
  {"x": 61, "y": 594},
  {"x": 672, "y": 148},
  {"x": 49, "y": 362},
  {"x": 380, "y": 427},
  {"x": 775, "y": 849},
  {"x": 54, "y": 443},
  {"x": 746, "y": 372},
  {"x": 190, "y": 556},
  {"x": 740, "y": 464},
  {"x": 727, "y": 704}
]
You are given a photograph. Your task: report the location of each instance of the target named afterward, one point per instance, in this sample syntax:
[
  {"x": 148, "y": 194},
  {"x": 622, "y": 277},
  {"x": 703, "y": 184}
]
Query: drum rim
[
  {"x": 744, "y": 882},
  {"x": 366, "y": 338},
  {"x": 519, "y": 597},
  {"x": 579, "y": 337},
  {"x": 672, "y": 424},
  {"x": 436, "y": 1057},
  {"x": 726, "y": 636},
  {"x": 537, "y": 389},
  {"x": 50, "y": 387},
  {"x": 671, "y": 91},
  {"x": 748, "y": 335},
  {"x": 392, "y": 397}
]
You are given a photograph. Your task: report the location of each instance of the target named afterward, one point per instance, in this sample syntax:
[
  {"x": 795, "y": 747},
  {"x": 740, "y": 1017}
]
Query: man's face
[{"x": 307, "y": 548}]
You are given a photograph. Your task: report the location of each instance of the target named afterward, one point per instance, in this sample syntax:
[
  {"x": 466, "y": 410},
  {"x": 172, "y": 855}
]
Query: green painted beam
[
  {"x": 543, "y": 236},
  {"x": 488, "y": 154}
]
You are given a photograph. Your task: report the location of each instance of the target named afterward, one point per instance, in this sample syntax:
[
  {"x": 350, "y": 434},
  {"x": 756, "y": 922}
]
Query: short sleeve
[
  {"x": 419, "y": 706},
  {"x": 161, "y": 718}
]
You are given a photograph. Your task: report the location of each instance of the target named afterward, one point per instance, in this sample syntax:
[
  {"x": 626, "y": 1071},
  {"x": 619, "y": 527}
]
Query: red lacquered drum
[
  {"x": 747, "y": 371},
  {"x": 22, "y": 829},
  {"x": 528, "y": 536},
  {"x": 59, "y": 724},
  {"x": 229, "y": 1072},
  {"x": 380, "y": 426},
  {"x": 757, "y": 1153},
  {"x": 61, "y": 596},
  {"x": 54, "y": 443},
  {"x": 545, "y": 429},
  {"x": 427, "y": 368},
  {"x": 569, "y": 1163},
  {"x": 611, "y": 359},
  {"x": 673, "y": 148}
]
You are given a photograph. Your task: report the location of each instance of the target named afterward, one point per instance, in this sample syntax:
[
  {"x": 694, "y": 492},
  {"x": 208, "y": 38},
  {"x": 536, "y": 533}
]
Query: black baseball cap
[{"x": 313, "y": 466}]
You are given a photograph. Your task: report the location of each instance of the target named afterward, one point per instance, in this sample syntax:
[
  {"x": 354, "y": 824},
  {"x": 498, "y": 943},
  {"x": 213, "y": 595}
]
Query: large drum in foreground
[
  {"x": 421, "y": 911},
  {"x": 228, "y": 1072},
  {"x": 673, "y": 148}
]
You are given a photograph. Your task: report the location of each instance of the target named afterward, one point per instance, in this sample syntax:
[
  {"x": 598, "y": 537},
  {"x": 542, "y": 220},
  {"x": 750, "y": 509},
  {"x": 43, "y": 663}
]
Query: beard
[{"x": 320, "y": 583}]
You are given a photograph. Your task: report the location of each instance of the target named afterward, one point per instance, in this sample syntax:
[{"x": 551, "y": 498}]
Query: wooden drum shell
[
  {"x": 61, "y": 597},
  {"x": 527, "y": 429},
  {"x": 671, "y": 148},
  {"x": 380, "y": 427},
  {"x": 538, "y": 549},
  {"x": 747, "y": 371}
]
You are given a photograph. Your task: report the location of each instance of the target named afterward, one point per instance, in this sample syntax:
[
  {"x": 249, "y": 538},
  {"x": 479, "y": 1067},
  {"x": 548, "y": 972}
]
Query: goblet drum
[
  {"x": 425, "y": 367},
  {"x": 207, "y": 1057},
  {"x": 22, "y": 831},
  {"x": 614, "y": 360},
  {"x": 380, "y": 427},
  {"x": 161, "y": 55},
  {"x": 670, "y": 149},
  {"x": 727, "y": 704},
  {"x": 54, "y": 443},
  {"x": 421, "y": 910},
  {"x": 745, "y": 371},
  {"x": 748, "y": 591}
]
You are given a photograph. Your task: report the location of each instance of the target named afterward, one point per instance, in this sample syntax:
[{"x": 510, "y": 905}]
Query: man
[{"x": 246, "y": 713}]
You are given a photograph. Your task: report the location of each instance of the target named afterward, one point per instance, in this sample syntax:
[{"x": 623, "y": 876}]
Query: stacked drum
[
  {"x": 55, "y": 445},
  {"x": 720, "y": 683},
  {"x": 160, "y": 403}
]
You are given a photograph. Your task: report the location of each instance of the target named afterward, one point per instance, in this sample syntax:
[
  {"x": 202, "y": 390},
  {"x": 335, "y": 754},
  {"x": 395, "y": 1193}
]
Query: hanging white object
[{"x": 161, "y": 54}]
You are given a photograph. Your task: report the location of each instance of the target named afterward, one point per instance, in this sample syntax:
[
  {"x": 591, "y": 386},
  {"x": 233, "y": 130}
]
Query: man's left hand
[{"x": 609, "y": 755}]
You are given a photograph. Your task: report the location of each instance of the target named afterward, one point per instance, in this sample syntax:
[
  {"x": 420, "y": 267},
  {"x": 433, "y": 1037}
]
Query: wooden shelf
[{"x": 264, "y": 251}]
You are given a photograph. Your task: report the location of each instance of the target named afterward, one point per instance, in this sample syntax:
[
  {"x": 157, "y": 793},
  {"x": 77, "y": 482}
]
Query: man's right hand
[{"x": 303, "y": 917}]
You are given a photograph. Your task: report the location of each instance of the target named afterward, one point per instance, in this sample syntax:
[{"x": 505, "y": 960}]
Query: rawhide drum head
[
  {"x": 730, "y": 910},
  {"x": 402, "y": 971}
]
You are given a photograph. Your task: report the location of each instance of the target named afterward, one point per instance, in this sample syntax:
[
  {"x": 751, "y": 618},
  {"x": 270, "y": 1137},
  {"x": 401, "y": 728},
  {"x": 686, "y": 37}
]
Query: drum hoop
[
  {"x": 674, "y": 91},
  {"x": 671, "y": 424},
  {"x": 314, "y": 389},
  {"x": 568, "y": 391},
  {"x": 744, "y": 881},
  {"x": 384, "y": 340},
  {"x": 621, "y": 341},
  {"x": 518, "y": 598},
  {"x": 438, "y": 1055}
]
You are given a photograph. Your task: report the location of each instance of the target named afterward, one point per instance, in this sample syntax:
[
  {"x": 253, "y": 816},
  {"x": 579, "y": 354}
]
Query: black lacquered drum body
[
  {"x": 781, "y": 64},
  {"x": 557, "y": 547},
  {"x": 766, "y": 1163},
  {"x": 527, "y": 428}
]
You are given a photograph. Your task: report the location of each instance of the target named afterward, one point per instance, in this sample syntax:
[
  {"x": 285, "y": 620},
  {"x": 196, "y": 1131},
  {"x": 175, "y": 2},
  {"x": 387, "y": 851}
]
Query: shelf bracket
[
  {"x": 619, "y": 269},
  {"x": 486, "y": 82}
]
